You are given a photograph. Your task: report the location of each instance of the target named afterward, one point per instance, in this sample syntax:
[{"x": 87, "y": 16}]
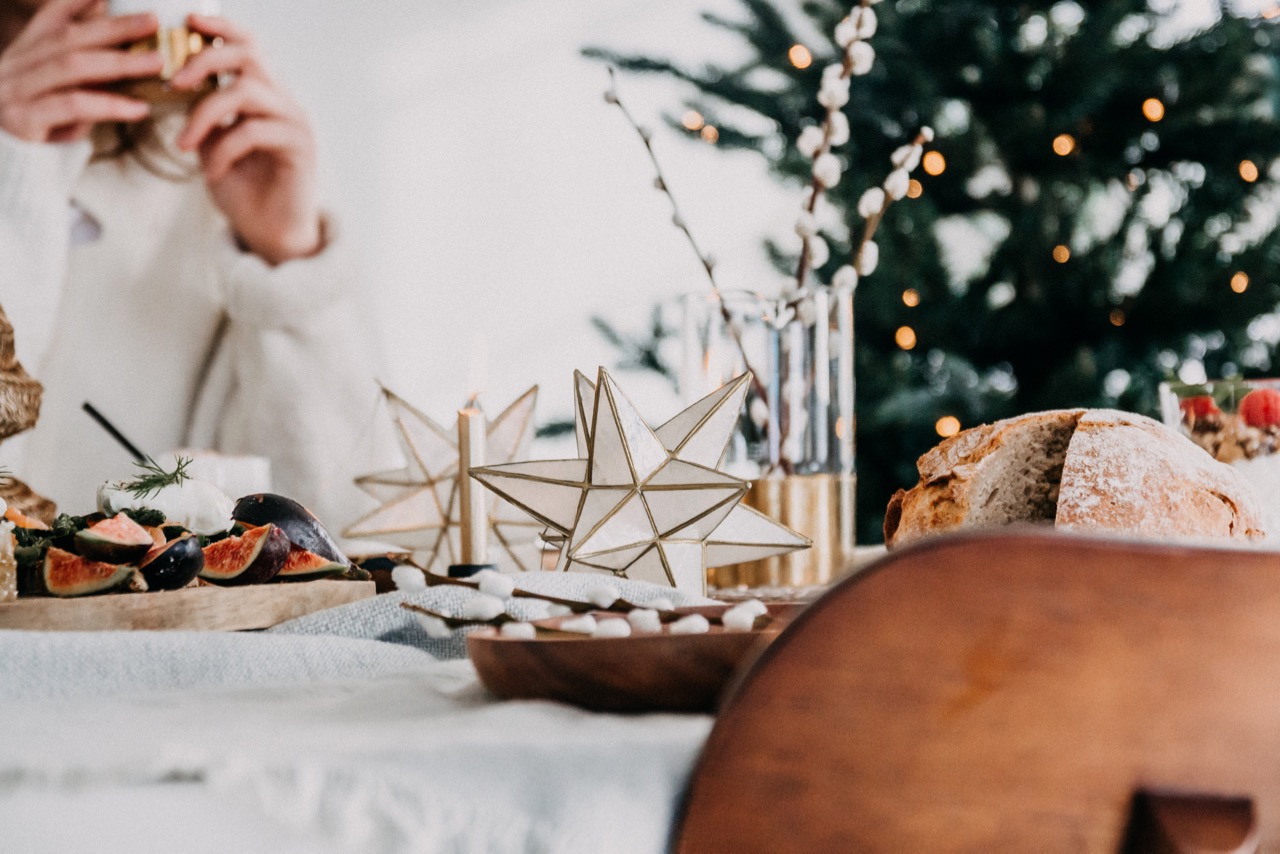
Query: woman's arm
[
  {"x": 48, "y": 104},
  {"x": 255, "y": 146}
]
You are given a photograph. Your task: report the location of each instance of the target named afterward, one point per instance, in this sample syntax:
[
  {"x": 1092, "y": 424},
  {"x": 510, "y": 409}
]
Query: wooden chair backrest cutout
[{"x": 1001, "y": 692}]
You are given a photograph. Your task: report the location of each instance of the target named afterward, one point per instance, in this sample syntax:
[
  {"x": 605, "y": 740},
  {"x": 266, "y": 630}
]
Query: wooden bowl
[{"x": 640, "y": 673}]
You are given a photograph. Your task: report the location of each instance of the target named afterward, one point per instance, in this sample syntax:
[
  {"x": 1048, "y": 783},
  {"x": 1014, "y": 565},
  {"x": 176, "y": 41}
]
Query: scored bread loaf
[{"x": 1084, "y": 470}]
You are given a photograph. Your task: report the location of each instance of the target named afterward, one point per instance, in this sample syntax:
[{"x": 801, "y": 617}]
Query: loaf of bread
[{"x": 1084, "y": 470}]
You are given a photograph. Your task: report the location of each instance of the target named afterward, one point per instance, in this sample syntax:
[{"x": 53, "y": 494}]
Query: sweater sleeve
[
  {"x": 293, "y": 378},
  {"x": 36, "y": 181}
]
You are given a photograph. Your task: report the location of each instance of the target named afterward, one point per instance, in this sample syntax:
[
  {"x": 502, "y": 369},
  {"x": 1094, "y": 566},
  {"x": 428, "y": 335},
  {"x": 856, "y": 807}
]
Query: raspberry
[
  {"x": 1261, "y": 407},
  {"x": 1200, "y": 406}
]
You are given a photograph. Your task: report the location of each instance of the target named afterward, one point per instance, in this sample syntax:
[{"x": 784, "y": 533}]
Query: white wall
[{"x": 497, "y": 201}]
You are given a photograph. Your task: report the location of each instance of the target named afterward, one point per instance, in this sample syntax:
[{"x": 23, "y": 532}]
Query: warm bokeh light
[
  {"x": 1117, "y": 317},
  {"x": 1240, "y": 282},
  {"x": 947, "y": 426},
  {"x": 710, "y": 134},
  {"x": 914, "y": 189},
  {"x": 1249, "y": 170},
  {"x": 800, "y": 56},
  {"x": 1153, "y": 109},
  {"x": 1271, "y": 12},
  {"x": 911, "y": 298},
  {"x": 1064, "y": 144},
  {"x": 934, "y": 163},
  {"x": 905, "y": 337},
  {"x": 692, "y": 120},
  {"x": 1061, "y": 253}
]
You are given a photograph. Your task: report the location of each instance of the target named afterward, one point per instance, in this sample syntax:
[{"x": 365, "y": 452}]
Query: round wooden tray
[{"x": 640, "y": 673}]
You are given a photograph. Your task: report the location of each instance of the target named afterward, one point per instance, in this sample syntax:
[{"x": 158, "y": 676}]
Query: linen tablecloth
[{"x": 315, "y": 742}]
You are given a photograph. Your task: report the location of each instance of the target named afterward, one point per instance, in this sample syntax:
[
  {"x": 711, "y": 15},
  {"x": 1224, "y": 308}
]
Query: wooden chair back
[{"x": 1009, "y": 692}]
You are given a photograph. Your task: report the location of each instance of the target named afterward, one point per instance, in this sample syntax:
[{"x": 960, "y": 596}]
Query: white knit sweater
[{"x": 125, "y": 315}]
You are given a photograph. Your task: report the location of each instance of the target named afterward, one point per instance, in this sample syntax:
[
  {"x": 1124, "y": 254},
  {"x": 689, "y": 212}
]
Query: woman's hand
[
  {"x": 255, "y": 146},
  {"x": 48, "y": 73}
]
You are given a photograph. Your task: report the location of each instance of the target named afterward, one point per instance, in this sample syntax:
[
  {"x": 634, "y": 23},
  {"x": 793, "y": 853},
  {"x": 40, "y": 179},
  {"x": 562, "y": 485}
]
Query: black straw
[{"x": 115, "y": 434}]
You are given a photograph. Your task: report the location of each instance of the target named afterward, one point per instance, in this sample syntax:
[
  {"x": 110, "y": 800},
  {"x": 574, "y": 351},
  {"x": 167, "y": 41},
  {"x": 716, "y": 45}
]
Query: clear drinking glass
[{"x": 796, "y": 438}]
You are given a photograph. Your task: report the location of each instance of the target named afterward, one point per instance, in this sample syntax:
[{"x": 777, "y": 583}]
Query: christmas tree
[{"x": 1096, "y": 214}]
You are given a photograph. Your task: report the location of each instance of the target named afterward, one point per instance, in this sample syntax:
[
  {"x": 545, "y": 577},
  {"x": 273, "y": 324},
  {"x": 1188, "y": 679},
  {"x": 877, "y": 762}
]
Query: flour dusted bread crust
[{"x": 1085, "y": 470}]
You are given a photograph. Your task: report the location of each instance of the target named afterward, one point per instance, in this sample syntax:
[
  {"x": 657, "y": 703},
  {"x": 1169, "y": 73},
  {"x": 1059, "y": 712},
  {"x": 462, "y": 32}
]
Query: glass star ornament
[
  {"x": 639, "y": 503},
  {"x": 418, "y": 503}
]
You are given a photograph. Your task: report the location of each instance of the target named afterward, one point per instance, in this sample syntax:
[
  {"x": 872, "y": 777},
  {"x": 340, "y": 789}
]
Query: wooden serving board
[{"x": 198, "y": 609}]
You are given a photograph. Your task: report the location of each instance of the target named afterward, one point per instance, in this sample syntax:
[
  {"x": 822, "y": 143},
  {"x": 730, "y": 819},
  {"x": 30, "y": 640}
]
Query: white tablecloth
[{"x": 190, "y": 742}]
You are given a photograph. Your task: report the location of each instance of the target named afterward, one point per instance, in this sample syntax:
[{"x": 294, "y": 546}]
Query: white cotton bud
[
  {"x": 662, "y": 603},
  {"x": 614, "y": 628},
  {"x": 845, "y": 279},
  {"x": 871, "y": 203},
  {"x": 433, "y": 626},
  {"x": 482, "y": 607},
  {"x": 754, "y": 606},
  {"x": 602, "y": 594},
  {"x": 867, "y": 23},
  {"x": 738, "y": 619},
  {"x": 759, "y": 411},
  {"x": 819, "y": 252},
  {"x": 518, "y": 631},
  {"x": 869, "y": 258},
  {"x": 906, "y": 157},
  {"x": 645, "y": 621},
  {"x": 806, "y": 311},
  {"x": 557, "y": 610},
  {"x": 897, "y": 184},
  {"x": 861, "y": 56},
  {"x": 839, "y": 128},
  {"x": 810, "y": 140},
  {"x": 834, "y": 93},
  {"x": 827, "y": 169},
  {"x": 846, "y": 32},
  {"x": 585, "y": 625},
  {"x": 694, "y": 624},
  {"x": 926, "y": 133},
  {"x": 409, "y": 579},
  {"x": 834, "y": 71},
  {"x": 495, "y": 583},
  {"x": 806, "y": 225}
]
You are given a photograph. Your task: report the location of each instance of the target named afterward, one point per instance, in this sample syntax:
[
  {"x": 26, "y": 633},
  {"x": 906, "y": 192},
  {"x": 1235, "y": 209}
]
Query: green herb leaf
[{"x": 155, "y": 478}]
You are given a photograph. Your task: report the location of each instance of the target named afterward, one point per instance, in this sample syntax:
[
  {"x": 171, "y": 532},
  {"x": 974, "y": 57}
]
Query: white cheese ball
[
  {"x": 694, "y": 624},
  {"x": 612, "y": 628}
]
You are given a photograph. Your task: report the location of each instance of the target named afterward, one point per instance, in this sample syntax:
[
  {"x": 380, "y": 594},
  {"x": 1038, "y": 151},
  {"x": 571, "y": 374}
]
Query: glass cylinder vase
[{"x": 795, "y": 441}]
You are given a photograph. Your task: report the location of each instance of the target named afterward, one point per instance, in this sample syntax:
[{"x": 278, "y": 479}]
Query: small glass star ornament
[{"x": 419, "y": 508}]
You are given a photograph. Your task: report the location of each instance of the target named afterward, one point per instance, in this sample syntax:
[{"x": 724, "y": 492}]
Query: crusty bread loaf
[{"x": 1085, "y": 470}]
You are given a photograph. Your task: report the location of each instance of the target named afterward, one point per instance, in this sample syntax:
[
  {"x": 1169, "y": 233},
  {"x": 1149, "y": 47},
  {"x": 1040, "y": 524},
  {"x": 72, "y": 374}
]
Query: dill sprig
[{"x": 154, "y": 477}]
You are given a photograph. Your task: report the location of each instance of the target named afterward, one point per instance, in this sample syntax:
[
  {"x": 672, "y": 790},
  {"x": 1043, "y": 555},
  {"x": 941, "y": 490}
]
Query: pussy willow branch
[
  {"x": 816, "y": 187},
  {"x": 708, "y": 266},
  {"x": 873, "y": 221}
]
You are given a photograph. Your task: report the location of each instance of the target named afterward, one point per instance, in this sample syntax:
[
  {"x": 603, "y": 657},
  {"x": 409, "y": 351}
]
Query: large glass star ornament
[
  {"x": 644, "y": 504},
  {"x": 418, "y": 503}
]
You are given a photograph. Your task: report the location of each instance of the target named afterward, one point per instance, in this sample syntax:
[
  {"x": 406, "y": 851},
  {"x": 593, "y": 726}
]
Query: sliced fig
[
  {"x": 115, "y": 540},
  {"x": 303, "y": 565},
  {"x": 252, "y": 558},
  {"x": 299, "y": 524},
  {"x": 173, "y": 565},
  {"x": 65, "y": 574}
]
